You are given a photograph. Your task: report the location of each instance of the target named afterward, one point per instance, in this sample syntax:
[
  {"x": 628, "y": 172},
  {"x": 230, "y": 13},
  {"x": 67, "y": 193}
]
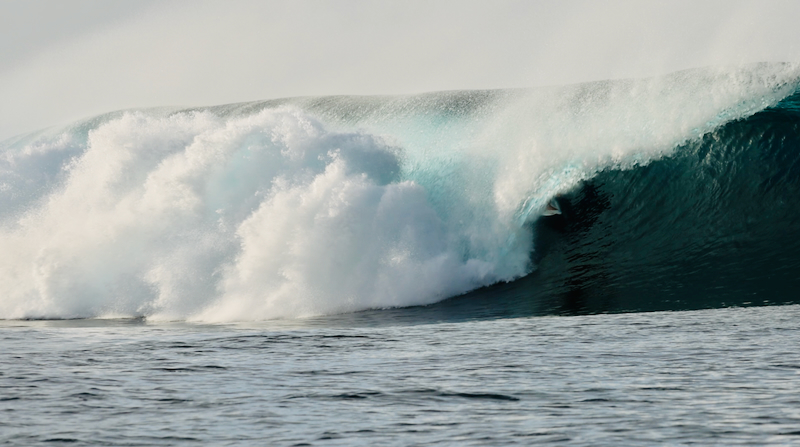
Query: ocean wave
[{"x": 310, "y": 206}]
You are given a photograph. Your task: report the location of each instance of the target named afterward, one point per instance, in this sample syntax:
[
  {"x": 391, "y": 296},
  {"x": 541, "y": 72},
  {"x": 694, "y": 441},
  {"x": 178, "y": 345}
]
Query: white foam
[{"x": 259, "y": 217}]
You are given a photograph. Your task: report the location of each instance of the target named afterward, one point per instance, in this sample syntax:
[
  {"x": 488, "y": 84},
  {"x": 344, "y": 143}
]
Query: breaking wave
[{"x": 311, "y": 206}]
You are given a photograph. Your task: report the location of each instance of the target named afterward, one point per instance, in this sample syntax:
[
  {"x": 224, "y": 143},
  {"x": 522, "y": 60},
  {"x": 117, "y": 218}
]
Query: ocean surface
[
  {"x": 608, "y": 263},
  {"x": 711, "y": 377}
]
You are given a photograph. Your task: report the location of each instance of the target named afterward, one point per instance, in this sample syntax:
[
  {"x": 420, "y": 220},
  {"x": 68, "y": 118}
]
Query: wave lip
[{"x": 313, "y": 206}]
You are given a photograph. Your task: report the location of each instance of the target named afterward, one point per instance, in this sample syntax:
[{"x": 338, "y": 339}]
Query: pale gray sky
[{"x": 62, "y": 60}]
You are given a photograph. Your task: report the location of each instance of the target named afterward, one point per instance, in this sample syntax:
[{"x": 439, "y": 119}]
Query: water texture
[{"x": 713, "y": 377}]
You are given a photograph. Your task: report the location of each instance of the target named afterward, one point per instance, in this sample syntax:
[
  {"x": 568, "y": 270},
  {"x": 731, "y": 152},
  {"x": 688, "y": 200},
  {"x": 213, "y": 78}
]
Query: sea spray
[
  {"x": 269, "y": 213},
  {"x": 324, "y": 205}
]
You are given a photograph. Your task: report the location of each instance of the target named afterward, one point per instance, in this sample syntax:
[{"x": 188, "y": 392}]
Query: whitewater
[{"x": 324, "y": 205}]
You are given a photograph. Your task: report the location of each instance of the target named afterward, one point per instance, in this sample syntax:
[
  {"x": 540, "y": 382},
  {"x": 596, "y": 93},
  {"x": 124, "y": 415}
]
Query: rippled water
[{"x": 726, "y": 376}]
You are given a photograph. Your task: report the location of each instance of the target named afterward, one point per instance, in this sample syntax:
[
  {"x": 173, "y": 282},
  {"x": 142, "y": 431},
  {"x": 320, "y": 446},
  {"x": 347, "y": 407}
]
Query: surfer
[{"x": 552, "y": 208}]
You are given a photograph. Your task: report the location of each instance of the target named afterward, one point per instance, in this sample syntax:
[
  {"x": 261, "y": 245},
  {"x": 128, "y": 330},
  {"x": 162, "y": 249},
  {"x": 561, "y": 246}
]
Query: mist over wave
[{"x": 309, "y": 206}]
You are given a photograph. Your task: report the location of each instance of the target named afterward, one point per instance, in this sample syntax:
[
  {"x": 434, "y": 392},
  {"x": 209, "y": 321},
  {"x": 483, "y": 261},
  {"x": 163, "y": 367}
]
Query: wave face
[
  {"x": 715, "y": 224},
  {"x": 673, "y": 189}
]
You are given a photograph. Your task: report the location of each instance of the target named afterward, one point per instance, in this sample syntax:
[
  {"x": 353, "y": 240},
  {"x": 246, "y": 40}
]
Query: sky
[{"x": 63, "y": 60}]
